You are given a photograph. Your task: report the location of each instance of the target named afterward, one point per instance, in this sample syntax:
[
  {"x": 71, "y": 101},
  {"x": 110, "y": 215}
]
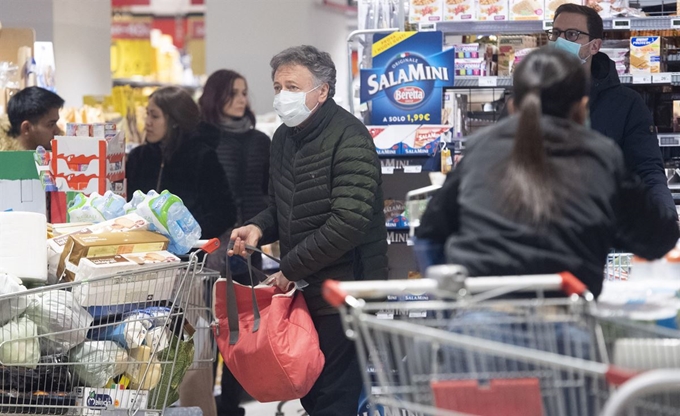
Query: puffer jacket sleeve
[
  {"x": 355, "y": 181},
  {"x": 641, "y": 151}
]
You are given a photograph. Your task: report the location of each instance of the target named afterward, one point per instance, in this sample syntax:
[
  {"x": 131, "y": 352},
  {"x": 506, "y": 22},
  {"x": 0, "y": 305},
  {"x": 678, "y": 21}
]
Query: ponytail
[{"x": 529, "y": 182}]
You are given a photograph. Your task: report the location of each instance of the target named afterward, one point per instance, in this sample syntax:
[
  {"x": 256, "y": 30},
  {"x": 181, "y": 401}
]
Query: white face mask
[{"x": 291, "y": 107}]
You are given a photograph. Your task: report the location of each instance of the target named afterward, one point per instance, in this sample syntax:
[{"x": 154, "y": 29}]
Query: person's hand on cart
[{"x": 244, "y": 236}]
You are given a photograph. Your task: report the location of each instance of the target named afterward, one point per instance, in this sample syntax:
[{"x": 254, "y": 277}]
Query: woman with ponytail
[{"x": 539, "y": 192}]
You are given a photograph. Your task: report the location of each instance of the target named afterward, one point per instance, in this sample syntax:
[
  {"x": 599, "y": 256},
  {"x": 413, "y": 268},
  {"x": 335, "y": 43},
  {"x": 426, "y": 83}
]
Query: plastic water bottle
[
  {"x": 109, "y": 205},
  {"x": 137, "y": 198},
  {"x": 181, "y": 226}
]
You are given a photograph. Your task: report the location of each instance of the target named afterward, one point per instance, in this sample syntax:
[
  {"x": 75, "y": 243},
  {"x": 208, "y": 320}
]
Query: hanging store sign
[{"x": 405, "y": 85}]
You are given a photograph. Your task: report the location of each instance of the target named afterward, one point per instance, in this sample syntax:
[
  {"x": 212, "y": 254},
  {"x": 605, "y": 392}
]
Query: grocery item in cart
[
  {"x": 61, "y": 322},
  {"x": 96, "y": 362},
  {"x": 103, "y": 245},
  {"x": 144, "y": 372},
  {"x": 167, "y": 214},
  {"x": 96, "y": 208},
  {"x": 102, "y": 266},
  {"x": 20, "y": 234},
  {"x": 19, "y": 344},
  {"x": 12, "y": 307}
]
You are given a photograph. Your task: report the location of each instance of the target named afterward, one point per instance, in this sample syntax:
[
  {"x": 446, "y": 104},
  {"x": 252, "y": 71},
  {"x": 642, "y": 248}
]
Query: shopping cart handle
[
  {"x": 208, "y": 246},
  {"x": 333, "y": 293},
  {"x": 572, "y": 286}
]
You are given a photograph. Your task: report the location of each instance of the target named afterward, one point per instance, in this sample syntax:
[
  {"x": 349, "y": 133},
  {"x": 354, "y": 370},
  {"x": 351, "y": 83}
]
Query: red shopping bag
[{"x": 267, "y": 339}]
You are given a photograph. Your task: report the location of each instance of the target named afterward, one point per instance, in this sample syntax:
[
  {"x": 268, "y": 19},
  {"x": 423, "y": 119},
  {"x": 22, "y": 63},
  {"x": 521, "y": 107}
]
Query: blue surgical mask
[{"x": 570, "y": 47}]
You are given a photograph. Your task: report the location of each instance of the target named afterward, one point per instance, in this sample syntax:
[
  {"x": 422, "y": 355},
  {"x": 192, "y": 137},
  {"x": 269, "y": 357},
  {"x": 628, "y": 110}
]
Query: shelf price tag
[
  {"x": 413, "y": 169},
  {"x": 664, "y": 78},
  {"x": 488, "y": 81},
  {"x": 621, "y": 24},
  {"x": 387, "y": 170},
  {"x": 547, "y": 24},
  {"x": 642, "y": 79},
  {"x": 427, "y": 27}
]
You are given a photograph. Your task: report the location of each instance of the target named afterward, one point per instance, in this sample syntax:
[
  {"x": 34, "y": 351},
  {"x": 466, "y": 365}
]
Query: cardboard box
[
  {"x": 526, "y": 9},
  {"x": 94, "y": 400},
  {"x": 551, "y": 5},
  {"x": 493, "y": 10},
  {"x": 424, "y": 11},
  {"x": 508, "y": 45},
  {"x": 645, "y": 55},
  {"x": 460, "y": 10},
  {"x": 104, "y": 266},
  {"x": 103, "y": 245}
]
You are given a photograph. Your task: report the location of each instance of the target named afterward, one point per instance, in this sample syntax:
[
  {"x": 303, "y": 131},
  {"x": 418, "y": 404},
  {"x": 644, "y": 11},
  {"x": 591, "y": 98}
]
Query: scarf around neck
[{"x": 236, "y": 125}]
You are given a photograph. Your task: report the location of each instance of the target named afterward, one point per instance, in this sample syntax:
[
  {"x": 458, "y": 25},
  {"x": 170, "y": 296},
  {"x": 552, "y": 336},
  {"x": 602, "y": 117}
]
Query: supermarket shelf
[
  {"x": 405, "y": 165},
  {"x": 536, "y": 26},
  {"x": 667, "y": 78},
  {"x": 143, "y": 84},
  {"x": 398, "y": 237}
]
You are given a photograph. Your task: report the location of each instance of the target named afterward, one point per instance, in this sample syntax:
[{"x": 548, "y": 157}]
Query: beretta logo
[{"x": 408, "y": 80}]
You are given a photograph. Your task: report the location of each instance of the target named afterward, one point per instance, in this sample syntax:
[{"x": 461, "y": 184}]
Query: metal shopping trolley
[
  {"x": 498, "y": 346},
  {"x": 116, "y": 344}
]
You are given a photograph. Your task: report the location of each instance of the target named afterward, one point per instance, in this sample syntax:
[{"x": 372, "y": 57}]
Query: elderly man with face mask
[{"x": 325, "y": 209}]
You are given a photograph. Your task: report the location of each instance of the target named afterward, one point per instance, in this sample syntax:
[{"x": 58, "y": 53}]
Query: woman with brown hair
[
  {"x": 243, "y": 153},
  {"x": 540, "y": 192},
  {"x": 179, "y": 155}
]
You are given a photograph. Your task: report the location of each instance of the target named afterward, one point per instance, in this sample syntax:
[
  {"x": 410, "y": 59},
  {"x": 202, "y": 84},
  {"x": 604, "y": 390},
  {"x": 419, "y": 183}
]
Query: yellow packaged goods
[
  {"x": 526, "y": 10},
  {"x": 552, "y": 5},
  {"x": 103, "y": 245},
  {"x": 460, "y": 10},
  {"x": 494, "y": 10},
  {"x": 140, "y": 377},
  {"x": 645, "y": 55},
  {"x": 423, "y": 11}
]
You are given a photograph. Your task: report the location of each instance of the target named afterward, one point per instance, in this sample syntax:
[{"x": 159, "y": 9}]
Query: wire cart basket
[
  {"x": 120, "y": 343},
  {"x": 499, "y": 345}
]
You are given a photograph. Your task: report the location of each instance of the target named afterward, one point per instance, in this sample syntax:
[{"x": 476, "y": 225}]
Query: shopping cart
[
  {"x": 618, "y": 266},
  {"x": 116, "y": 344},
  {"x": 500, "y": 346}
]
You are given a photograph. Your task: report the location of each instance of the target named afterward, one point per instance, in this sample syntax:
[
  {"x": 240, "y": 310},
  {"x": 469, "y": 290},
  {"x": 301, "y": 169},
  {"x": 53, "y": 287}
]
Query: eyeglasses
[{"x": 571, "y": 35}]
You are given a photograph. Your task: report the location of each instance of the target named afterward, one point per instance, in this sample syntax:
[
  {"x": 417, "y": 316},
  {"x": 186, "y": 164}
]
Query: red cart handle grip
[
  {"x": 333, "y": 293},
  {"x": 571, "y": 285}
]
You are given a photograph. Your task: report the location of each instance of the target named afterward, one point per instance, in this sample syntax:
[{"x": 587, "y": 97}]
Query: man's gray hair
[{"x": 318, "y": 63}]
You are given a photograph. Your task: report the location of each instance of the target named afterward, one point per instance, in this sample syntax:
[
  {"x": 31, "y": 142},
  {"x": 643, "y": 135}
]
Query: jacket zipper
[
  {"x": 160, "y": 174},
  {"x": 292, "y": 199}
]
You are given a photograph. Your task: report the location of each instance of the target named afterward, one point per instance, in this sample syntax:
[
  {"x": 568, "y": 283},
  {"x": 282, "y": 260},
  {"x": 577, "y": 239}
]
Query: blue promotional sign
[{"x": 409, "y": 73}]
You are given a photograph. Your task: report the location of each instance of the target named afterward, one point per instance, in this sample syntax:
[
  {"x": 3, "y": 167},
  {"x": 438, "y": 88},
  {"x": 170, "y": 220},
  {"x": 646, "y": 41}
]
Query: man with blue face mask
[
  {"x": 325, "y": 209},
  {"x": 616, "y": 111}
]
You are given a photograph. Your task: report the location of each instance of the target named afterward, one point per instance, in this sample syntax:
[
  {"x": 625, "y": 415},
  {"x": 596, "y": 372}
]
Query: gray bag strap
[{"x": 232, "y": 309}]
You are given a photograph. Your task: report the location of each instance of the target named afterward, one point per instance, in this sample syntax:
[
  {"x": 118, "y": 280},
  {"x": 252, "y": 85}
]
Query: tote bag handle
[{"x": 232, "y": 309}]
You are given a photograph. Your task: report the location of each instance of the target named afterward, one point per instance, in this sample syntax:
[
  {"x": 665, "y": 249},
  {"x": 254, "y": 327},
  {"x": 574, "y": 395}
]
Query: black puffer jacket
[
  {"x": 193, "y": 174},
  {"x": 326, "y": 204},
  {"x": 600, "y": 207},
  {"x": 245, "y": 159},
  {"x": 619, "y": 112}
]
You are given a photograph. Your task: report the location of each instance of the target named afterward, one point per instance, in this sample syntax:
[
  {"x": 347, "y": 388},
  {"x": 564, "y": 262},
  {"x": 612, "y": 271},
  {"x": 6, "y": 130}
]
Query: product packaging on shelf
[
  {"x": 394, "y": 214},
  {"x": 676, "y": 116},
  {"x": 508, "y": 46},
  {"x": 492, "y": 10},
  {"x": 645, "y": 55},
  {"x": 426, "y": 140},
  {"x": 388, "y": 139},
  {"x": 620, "y": 58},
  {"x": 552, "y": 5},
  {"x": 93, "y": 163},
  {"x": 409, "y": 139},
  {"x": 526, "y": 10},
  {"x": 470, "y": 67},
  {"x": 456, "y": 10},
  {"x": 424, "y": 11}
]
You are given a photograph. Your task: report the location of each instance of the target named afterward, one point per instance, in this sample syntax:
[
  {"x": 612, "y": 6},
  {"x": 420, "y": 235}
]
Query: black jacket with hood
[
  {"x": 193, "y": 173},
  {"x": 326, "y": 203},
  {"x": 600, "y": 206},
  {"x": 620, "y": 113}
]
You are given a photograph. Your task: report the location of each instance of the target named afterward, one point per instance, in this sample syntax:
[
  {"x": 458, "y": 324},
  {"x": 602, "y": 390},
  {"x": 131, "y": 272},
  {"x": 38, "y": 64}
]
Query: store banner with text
[{"x": 405, "y": 85}]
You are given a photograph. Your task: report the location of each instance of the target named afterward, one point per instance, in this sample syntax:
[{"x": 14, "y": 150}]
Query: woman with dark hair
[
  {"x": 541, "y": 193},
  {"x": 179, "y": 156},
  {"x": 243, "y": 153}
]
